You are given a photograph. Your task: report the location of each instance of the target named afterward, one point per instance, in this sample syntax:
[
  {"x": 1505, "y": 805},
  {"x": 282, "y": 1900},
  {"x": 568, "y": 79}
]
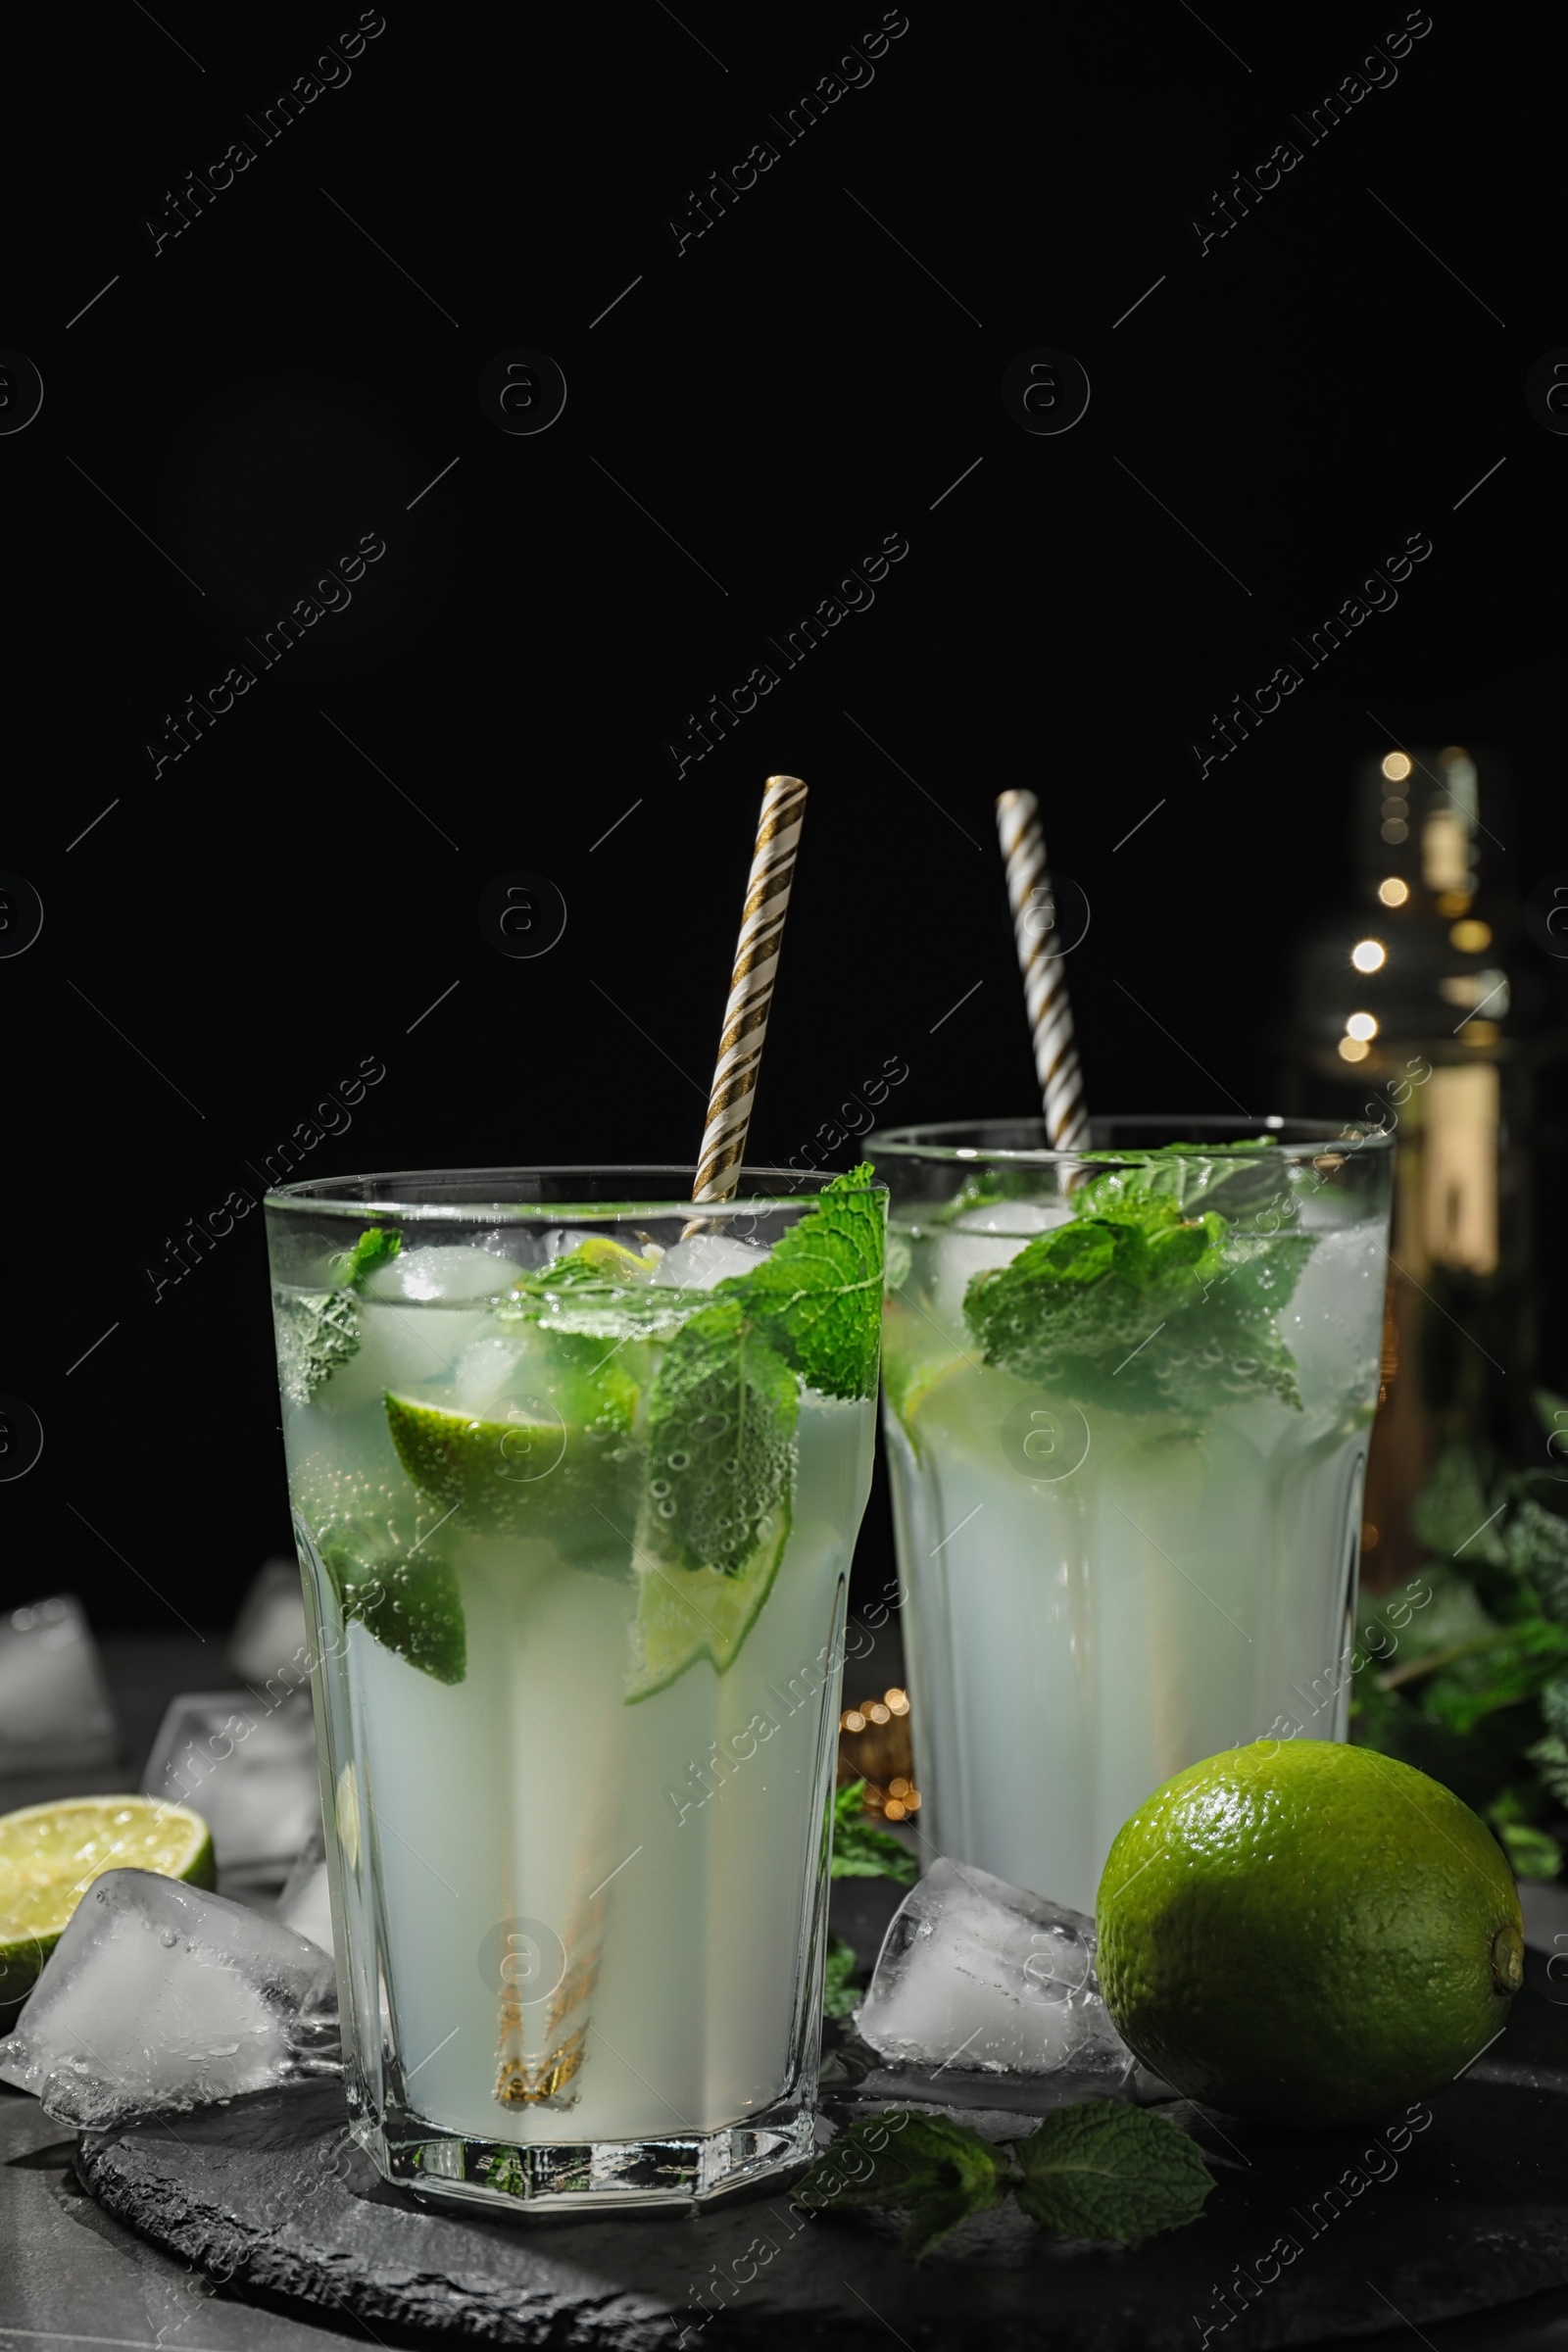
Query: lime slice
[
  {"x": 49, "y": 1854},
  {"x": 684, "y": 1614},
  {"x": 529, "y": 1469}
]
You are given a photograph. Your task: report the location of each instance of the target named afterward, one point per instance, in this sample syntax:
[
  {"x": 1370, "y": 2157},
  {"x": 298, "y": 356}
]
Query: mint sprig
[
  {"x": 1103, "y": 2170},
  {"x": 861, "y": 1850},
  {"x": 721, "y": 1416},
  {"x": 818, "y": 1294},
  {"x": 1144, "y": 1300},
  {"x": 318, "y": 1331}
]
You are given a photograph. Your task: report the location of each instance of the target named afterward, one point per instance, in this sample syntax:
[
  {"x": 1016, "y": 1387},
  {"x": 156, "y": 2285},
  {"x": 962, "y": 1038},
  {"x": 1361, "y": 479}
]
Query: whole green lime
[{"x": 1308, "y": 1933}]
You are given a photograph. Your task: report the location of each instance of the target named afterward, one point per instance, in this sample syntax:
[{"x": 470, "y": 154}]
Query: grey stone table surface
[
  {"x": 1480, "y": 2210},
  {"x": 1442, "y": 2247}
]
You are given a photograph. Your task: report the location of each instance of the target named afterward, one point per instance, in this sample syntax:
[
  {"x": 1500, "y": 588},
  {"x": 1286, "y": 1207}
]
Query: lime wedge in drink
[
  {"x": 50, "y": 1854},
  {"x": 684, "y": 1614},
  {"x": 537, "y": 1465}
]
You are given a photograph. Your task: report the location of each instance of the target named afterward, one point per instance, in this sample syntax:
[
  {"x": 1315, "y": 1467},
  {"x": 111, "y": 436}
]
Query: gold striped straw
[
  {"x": 751, "y": 989},
  {"x": 1045, "y": 981}
]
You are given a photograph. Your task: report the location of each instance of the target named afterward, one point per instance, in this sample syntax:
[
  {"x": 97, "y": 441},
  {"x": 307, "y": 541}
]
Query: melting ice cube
[
  {"x": 705, "y": 1261},
  {"x": 269, "y": 1633},
  {"x": 247, "y": 1764},
  {"x": 158, "y": 1998},
  {"x": 53, "y": 1704},
  {"x": 975, "y": 1975}
]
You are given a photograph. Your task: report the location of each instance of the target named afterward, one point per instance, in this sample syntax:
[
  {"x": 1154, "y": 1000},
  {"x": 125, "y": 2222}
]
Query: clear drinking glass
[
  {"x": 1127, "y": 1451},
  {"x": 575, "y": 1499}
]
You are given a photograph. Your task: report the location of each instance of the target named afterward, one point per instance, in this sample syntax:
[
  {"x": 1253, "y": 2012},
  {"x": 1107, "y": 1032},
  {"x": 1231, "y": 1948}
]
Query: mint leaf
[
  {"x": 1532, "y": 1854},
  {"x": 383, "y": 1552},
  {"x": 1107, "y": 2170},
  {"x": 1554, "y": 1706},
  {"x": 1517, "y": 1664},
  {"x": 377, "y": 1246},
  {"x": 861, "y": 1850},
  {"x": 934, "y": 2171},
  {"x": 1138, "y": 1305},
  {"x": 1455, "y": 1511},
  {"x": 818, "y": 1296},
  {"x": 1549, "y": 1756},
  {"x": 840, "y": 1993},
  {"x": 317, "y": 1332},
  {"x": 408, "y": 1601},
  {"x": 320, "y": 1330},
  {"x": 602, "y": 1292},
  {"x": 1536, "y": 1545},
  {"x": 1239, "y": 1179},
  {"x": 721, "y": 1416}
]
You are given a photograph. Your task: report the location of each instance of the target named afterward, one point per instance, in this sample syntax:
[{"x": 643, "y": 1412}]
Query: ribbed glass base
[{"x": 684, "y": 2172}]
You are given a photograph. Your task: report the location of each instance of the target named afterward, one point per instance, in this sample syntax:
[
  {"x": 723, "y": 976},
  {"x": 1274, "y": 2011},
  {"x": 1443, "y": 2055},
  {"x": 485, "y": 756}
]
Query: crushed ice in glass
[
  {"x": 55, "y": 1712},
  {"x": 158, "y": 1998},
  {"x": 248, "y": 1767},
  {"x": 978, "y": 1976}
]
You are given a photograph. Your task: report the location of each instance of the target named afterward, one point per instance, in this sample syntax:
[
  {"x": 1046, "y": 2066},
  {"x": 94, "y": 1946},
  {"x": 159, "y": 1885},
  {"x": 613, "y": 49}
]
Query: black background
[{"x": 299, "y": 893}]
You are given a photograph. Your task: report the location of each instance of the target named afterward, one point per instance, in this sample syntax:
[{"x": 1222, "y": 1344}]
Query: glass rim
[
  {"x": 333, "y": 1195},
  {"x": 1296, "y": 1139}
]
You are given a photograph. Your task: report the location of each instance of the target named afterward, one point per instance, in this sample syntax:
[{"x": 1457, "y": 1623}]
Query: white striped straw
[
  {"x": 1045, "y": 981},
  {"x": 750, "y": 988}
]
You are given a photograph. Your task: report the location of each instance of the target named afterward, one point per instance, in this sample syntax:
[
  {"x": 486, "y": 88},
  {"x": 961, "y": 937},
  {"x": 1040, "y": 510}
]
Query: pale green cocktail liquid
[{"x": 1096, "y": 1598}]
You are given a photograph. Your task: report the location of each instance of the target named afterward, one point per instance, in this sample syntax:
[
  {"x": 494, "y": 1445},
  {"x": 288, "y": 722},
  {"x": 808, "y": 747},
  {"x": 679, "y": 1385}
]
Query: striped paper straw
[
  {"x": 1045, "y": 981},
  {"x": 750, "y": 988}
]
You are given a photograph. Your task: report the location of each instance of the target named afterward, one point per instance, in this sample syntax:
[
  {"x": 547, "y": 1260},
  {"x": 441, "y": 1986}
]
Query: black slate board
[{"x": 1473, "y": 2212}]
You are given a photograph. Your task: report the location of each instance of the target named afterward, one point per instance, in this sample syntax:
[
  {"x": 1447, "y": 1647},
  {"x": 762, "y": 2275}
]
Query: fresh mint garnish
[
  {"x": 1107, "y": 2170},
  {"x": 861, "y": 1850},
  {"x": 721, "y": 1416},
  {"x": 1143, "y": 1301},
  {"x": 818, "y": 1294},
  {"x": 318, "y": 1331},
  {"x": 1101, "y": 2169},
  {"x": 933, "y": 2171}
]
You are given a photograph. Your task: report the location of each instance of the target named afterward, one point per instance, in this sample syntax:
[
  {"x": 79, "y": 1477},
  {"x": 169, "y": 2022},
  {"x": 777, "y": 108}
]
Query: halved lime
[
  {"x": 684, "y": 1614},
  {"x": 50, "y": 1854}
]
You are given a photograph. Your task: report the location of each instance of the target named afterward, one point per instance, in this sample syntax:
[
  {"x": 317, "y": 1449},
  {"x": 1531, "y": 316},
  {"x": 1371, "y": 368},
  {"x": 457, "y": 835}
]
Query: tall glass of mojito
[
  {"x": 577, "y": 1471},
  {"x": 1128, "y": 1398}
]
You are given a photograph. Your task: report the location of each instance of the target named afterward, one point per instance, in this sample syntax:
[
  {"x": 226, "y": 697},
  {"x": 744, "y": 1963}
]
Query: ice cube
[
  {"x": 305, "y": 1904},
  {"x": 1014, "y": 1218},
  {"x": 53, "y": 1704},
  {"x": 705, "y": 1261},
  {"x": 269, "y": 1633},
  {"x": 158, "y": 1998},
  {"x": 247, "y": 1764},
  {"x": 978, "y": 1976},
  {"x": 485, "y": 1367},
  {"x": 448, "y": 1273}
]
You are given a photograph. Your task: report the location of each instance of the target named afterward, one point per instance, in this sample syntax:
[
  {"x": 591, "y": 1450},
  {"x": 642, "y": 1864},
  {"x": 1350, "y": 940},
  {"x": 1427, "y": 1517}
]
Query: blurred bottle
[{"x": 1428, "y": 1008}]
